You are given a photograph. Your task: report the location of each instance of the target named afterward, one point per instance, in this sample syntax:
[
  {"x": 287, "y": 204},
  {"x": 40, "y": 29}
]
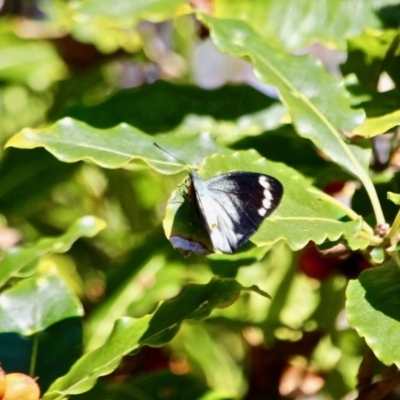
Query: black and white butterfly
[{"x": 233, "y": 205}]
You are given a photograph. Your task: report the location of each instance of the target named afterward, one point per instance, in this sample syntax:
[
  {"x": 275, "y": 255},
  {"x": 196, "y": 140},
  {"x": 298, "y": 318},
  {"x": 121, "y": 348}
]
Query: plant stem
[
  {"x": 331, "y": 200},
  {"x": 347, "y": 210},
  {"x": 376, "y": 205},
  {"x": 34, "y": 354},
  {"x": 396, "y": 258},
  {"x": 368, "y": 229},
  {"x": 395, "y": 226},
  {"x": 373, "y": 239}
]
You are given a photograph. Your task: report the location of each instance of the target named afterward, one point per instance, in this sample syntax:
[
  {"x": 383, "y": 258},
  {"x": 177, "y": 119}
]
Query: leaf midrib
[{"x": 313, "y": 108}]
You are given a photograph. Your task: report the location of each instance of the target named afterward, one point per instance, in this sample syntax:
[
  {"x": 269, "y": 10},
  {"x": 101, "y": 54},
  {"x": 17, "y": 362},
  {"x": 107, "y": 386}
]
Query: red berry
[
  {"x": 334, "y": 187},
  {"x": 314, "y": 264}
]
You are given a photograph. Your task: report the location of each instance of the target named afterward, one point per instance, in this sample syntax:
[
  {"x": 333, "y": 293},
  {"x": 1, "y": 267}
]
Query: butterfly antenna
[{"x": 176, "y": 158}]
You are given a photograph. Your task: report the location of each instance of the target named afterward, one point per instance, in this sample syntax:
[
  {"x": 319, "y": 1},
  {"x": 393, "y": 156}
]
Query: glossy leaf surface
[{"x": 374, "y": 310}]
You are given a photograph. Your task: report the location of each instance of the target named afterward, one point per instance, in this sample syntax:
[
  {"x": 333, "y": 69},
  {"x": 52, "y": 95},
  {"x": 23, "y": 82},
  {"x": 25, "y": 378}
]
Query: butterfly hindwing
[{"x": 233, "y": 205}]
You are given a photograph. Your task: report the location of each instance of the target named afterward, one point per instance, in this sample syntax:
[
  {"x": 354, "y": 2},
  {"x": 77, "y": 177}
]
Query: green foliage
[
  {"x": 72, "y": 141},
  {"x": 150, "y": 107},
  {"x": 94, "y": 300},
  {"x": 329, "y": 24},
  {"x": 195, "y": 303},
  {"x": 368, "y": 307},
  {"x": 20, "y": 259}
]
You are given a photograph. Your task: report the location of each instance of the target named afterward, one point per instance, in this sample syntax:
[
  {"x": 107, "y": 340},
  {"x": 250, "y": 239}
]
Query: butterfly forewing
[{"x": 233, "y": 205}]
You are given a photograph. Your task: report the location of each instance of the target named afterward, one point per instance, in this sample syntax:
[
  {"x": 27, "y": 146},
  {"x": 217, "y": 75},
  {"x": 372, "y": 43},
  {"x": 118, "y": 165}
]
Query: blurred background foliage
[{"x": 154, "y": 66}]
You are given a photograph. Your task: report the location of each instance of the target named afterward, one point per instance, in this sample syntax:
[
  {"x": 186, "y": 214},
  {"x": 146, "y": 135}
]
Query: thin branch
[
  {"x": 365, "y": 372},
  {"x": 378, "y": 390}
]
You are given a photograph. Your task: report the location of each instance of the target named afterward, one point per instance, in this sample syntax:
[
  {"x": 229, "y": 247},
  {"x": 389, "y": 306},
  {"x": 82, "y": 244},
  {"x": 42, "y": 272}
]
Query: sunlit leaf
[
  {"x": 133, "y": 294},
  {"x": 34, "y": 62},
  {"x": 36, "y": 303},
  {"x": 366, "y": 57},
  {"x": 308, "y": 97},
  {"x": 395, "y": 197},
  {"x": 195, "y": 303},
  {"x": 298, "y": 24},
  {"x": 218, "y": 364},
  {"x": 19, "y": 257},
  {"x": 373, "y": 309},
  {"x": 109, "y": 25},
  {"x": 84, "y": 373},
  {"x": 376, "y": 126},
  {"x": 71, "y": 141},
  {"x": 120, "y": 9}
]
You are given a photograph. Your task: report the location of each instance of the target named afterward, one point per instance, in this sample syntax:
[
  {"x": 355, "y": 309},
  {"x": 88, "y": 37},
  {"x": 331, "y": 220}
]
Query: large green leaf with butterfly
[
  {"x": 301, "y": 204},
  {"x": 71, "y": 140}
]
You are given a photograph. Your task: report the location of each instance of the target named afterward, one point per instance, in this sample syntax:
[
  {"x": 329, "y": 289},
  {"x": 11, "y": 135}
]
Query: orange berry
[
  {"x": 3, "y": 383},
  {"x": 21, "y": 387}
]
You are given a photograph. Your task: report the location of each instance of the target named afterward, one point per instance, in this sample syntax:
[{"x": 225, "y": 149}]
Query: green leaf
[
  {"x": 84, "y": 373},
  {"x": 170, "y": 385},
  {"x": 376, "y": 104},
  {"x": 150, "y": 109},
  {"x": 109, "y": 25},
  {"x": 286, "y": 146},
  {"x": 35, "y": 303},
  {"x": 304, "y": 214},
  {"x": 366, "y": 57},
  {"x": 395, "y": 197},
  {"x": 61, "y": 341},
  {"x": 133, "y": 294},
  {"x": 35, "y": 172},
  {"x": 376, "y": 126},
  {"x": 19, "y": 257},
  {"x": 71, "y": 141},
  {"x": 373, "y": 309},
  {"x": 219, "y": 364},
  {"x": 392, "y": 60},
  {"x": 120, "y": 9},
  {"x": 195, "y": 303},
  {"x": 40, "y": 354},
  {"x": 247, "y": 126},
  {"x": 309, "y": 97},
  {"x": 299, "y": 24},
  {"x": 33, "y": 62}
]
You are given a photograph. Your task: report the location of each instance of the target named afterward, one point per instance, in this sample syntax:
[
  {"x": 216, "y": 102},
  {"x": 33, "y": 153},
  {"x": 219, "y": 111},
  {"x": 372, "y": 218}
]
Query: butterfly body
[{"x": 233, "y": 205}]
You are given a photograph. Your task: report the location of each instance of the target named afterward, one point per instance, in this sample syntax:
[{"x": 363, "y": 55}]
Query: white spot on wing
[
  {"x": 267, "y": 200},
  {"x": 262, "y": 211},
  {"x": 266, "y": 204},
  {"x": 267, "y": 195},
  {"x": 263, "y": 181}
]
